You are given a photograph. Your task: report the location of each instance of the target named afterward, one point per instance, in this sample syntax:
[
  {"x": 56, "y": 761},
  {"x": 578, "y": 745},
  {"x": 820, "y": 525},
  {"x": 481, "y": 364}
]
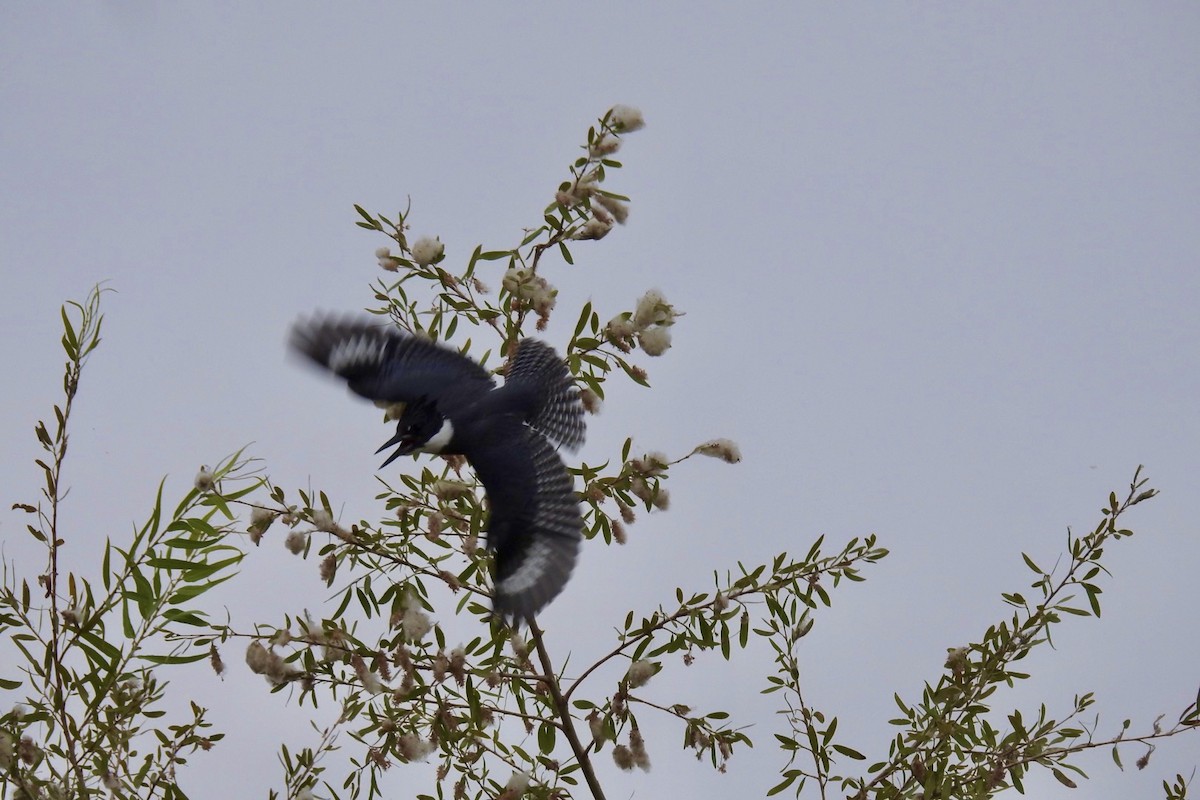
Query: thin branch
[
  {"x": 563, "y": 708},
  {"x": 833, "y": 562},
  {"x": 1039, "y": 621},
  {"x": 1054, "y": 752}
]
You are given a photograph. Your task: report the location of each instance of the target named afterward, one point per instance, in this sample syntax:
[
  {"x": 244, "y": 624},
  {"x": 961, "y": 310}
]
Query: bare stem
[
  {"x": 563, "y": 709},
  {"x": 54, "y": 495}
]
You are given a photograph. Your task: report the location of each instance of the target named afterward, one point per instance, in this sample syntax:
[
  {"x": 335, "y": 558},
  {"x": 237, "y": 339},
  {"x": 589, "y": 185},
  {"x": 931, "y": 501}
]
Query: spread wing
[
  {"x": 539, "y": 375},
  {"x": 381, "y": 363},
  {"x": 535, "y": 527}
]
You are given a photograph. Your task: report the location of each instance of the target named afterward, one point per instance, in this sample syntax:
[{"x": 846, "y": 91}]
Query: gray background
[{"x": 938, "y": 264}]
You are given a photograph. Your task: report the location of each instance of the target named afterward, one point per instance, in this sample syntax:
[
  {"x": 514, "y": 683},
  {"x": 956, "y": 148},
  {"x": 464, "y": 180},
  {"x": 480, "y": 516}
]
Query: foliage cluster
[{"x": 493, "y": 709}]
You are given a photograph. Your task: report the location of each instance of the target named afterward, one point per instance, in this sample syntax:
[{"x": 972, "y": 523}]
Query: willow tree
[{"x": 91, "y": 650}]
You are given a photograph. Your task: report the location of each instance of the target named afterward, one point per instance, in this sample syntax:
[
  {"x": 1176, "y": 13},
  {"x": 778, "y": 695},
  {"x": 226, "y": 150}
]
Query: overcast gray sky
[{"x": 939, "y": 264}]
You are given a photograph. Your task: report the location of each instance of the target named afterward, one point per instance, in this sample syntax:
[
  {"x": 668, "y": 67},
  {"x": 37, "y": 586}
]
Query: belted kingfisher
[{"x": 508, "y": 434}]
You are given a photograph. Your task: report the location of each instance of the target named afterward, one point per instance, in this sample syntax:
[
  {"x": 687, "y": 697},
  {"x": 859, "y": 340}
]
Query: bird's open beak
[{"x": 405, "y": 448}]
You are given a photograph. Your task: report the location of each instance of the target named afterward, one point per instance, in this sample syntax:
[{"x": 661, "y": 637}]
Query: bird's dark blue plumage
[{"x": 508, "y": 434}]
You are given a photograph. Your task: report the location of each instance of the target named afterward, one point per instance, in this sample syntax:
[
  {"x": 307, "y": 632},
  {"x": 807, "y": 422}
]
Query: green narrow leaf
[
  {"x": 813, "y": 551},
  {"x": 849, "y": 752},
  {"x": 371, "y": 221},
  {"x": 785, "y": 783},
  {"x": 546, "y": 738},
  {"x": 191, "y": 659},
  {"x": 1063, "y": 779},
  {"x": 347, "y": 596},
  {"x": 181, "y": 543},
  {"x": 171, "y": 564},
  {"x": 583, "y": 318},
  {"x": 106, "y": 564},
  {"x": 473, "y": 259},
  {"x": 144, "y": 594},
  {"x": 184, "y": 617},
  {"x": 830, "y": 731},
  {"x": 1093, "y": 598},
  {"x": 70, "y": 342},
  {"x": 203, "y": 571},
  {"x": 100, "y": 644},
  {"x": 634, "y": 376},
  {"x": 217, "y": 501},
  {"x": 126, "y": 620}
]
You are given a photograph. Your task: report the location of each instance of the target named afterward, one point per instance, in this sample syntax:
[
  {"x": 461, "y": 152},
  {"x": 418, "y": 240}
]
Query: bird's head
[{"x": 421, "y": 427}]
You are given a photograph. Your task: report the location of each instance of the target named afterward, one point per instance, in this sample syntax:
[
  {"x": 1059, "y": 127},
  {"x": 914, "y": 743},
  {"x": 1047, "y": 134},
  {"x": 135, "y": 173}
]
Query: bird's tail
[{"x": 557, "y": 409}]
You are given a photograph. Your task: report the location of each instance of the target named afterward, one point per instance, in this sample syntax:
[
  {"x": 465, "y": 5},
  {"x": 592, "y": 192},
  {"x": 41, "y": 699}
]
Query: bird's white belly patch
[{"x": 439, "y": 440}]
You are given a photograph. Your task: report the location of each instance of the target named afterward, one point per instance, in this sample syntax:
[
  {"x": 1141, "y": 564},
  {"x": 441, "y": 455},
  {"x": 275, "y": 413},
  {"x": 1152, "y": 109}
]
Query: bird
[{"x": 508, "y": 434}]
